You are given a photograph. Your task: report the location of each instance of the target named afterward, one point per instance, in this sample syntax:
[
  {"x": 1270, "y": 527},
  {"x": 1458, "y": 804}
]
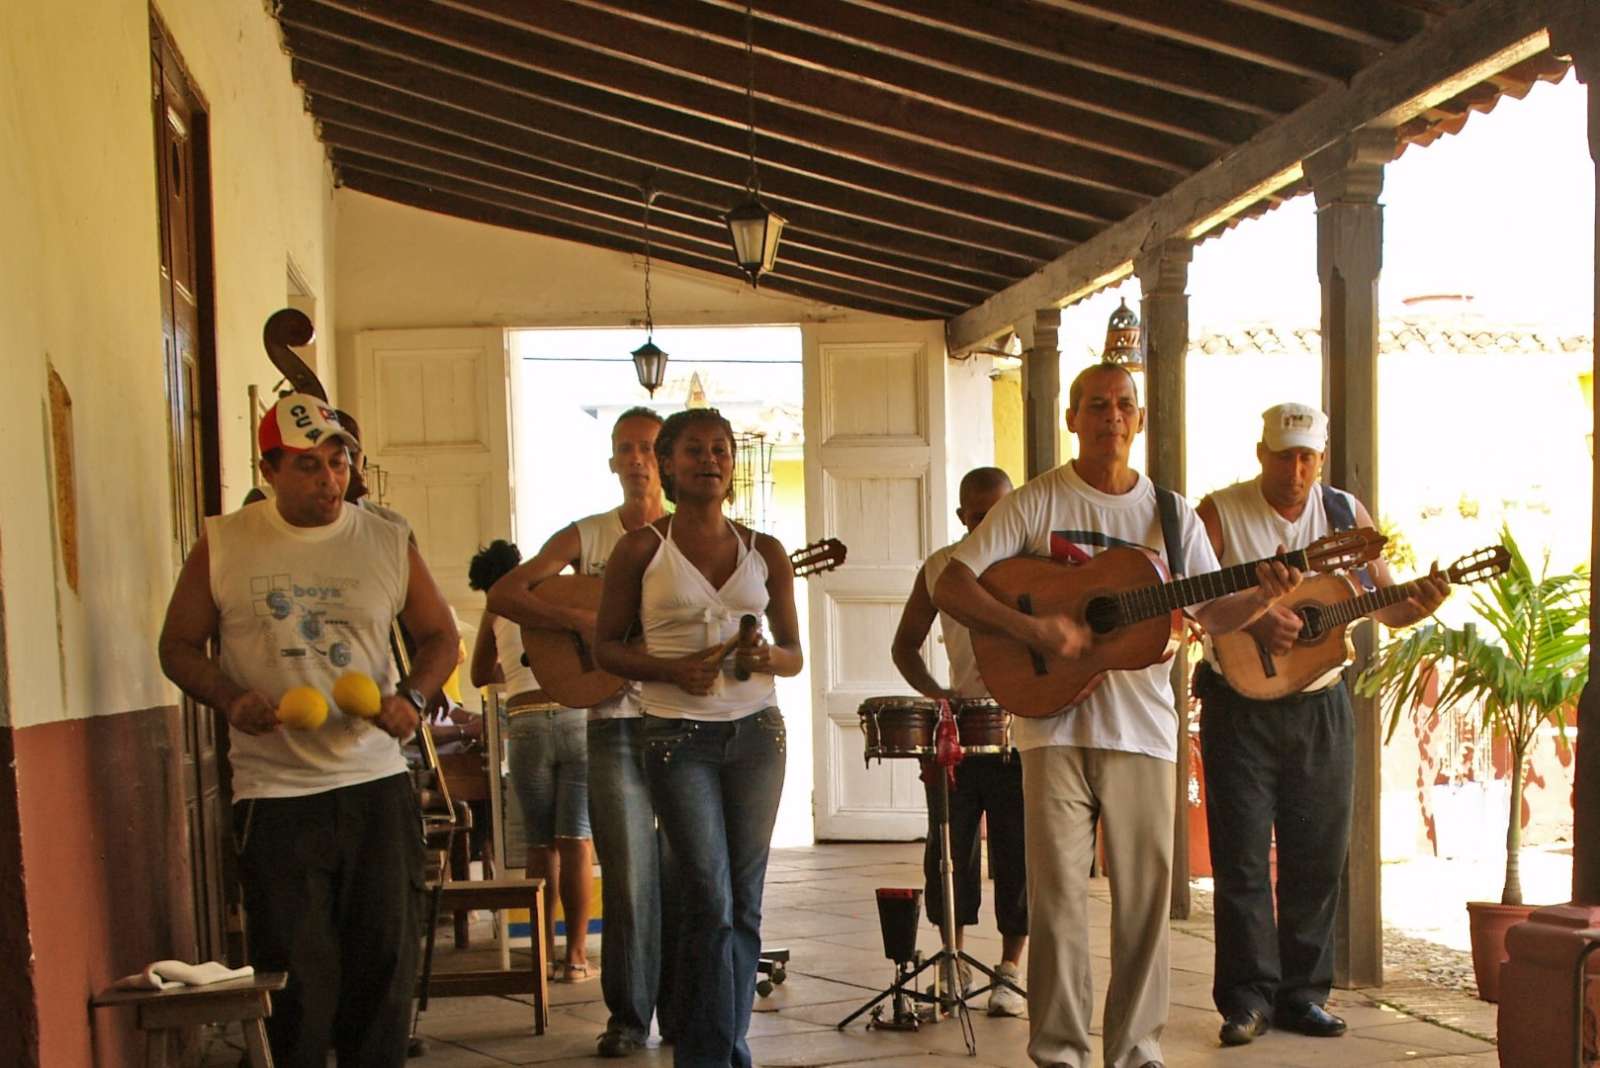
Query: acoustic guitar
[
  {"x": 1134, "y": 615},
  {"x": 1326, "y": 605},
  {"x": 564, "y": 664}
]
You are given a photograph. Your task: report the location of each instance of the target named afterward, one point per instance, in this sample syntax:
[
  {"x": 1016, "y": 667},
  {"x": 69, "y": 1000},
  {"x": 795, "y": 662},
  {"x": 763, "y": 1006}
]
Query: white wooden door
[
  {"x": 435, "y": 407},
  {"x": 875, "y": 479}
]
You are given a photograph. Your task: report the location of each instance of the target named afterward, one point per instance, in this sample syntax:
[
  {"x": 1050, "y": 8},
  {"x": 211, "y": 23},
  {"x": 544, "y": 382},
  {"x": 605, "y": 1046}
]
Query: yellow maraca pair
[{"x": 304, "y": 708}]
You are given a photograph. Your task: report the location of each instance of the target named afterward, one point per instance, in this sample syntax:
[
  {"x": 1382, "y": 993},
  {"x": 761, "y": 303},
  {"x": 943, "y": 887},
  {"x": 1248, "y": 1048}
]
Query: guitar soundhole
[
  {"x": 1310, "y": 622},
  {"x": 1101, "y": 614}
]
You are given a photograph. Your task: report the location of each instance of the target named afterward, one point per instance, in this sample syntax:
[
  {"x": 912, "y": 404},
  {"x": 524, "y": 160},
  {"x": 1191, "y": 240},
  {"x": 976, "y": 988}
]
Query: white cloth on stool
[{"x": 168, "y": 973}]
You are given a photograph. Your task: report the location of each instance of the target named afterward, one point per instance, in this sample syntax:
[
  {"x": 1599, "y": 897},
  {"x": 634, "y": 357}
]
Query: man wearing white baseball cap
[
  {"x": 1284, "y": 766},
  {"x": 297, "y": 591}
]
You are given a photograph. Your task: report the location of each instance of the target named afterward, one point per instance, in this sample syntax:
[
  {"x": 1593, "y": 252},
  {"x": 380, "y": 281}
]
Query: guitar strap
[
  {"x": 1341, "y": 516},
  {"x": 1171, "y": 529}
]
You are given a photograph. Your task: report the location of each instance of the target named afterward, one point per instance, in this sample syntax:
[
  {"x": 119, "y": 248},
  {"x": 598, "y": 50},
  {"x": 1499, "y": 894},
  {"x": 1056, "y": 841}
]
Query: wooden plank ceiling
[{"x": 927, "y": 153}]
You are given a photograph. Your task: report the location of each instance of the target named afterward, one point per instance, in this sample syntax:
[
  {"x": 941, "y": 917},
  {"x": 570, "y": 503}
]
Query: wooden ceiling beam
[
  {"x": 554, "y": 221},
  {"x": 1094, "y": 188},
  {"x": 937, "y": 48},
  {"x": 1461, "y": 50},
  {"x": 1080, "y": 43},
  {"x": 802, "y": 53},
  {"x": 1373, "y": 23},
  {"x": 442, "y": 129},
  {"x": 618, "y": 201},
  {"x": 1002, "y": 233},
  {"x": 1246, "y": 35}
]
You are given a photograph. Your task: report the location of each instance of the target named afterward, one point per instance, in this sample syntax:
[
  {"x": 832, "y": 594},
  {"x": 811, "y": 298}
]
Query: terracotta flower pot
[{"x": 1489, "y": 921}]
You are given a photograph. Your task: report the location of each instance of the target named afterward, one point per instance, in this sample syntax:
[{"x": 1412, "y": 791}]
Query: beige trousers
[{"x": 1064, "y": 790}]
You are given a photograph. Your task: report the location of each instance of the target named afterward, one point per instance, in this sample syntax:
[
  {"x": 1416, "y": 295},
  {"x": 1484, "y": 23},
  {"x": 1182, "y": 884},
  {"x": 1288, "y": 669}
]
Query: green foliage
[
  {"x": 1398, "y": 549},
  {"x": 1528, "y": 669}
]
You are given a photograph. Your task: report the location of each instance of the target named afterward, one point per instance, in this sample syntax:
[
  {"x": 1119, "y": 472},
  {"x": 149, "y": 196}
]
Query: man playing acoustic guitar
[
  {"x": 1286, "y": 764},
  {"x": 639, "y": 945},
  {"x": 1110, "y": 756}
]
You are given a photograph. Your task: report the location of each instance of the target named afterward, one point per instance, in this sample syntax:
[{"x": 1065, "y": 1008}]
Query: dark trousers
[
  {"x": 333, "y": 896},
  {"x": 1286, "y": 767},
  {"x": 984, "y": 784}
]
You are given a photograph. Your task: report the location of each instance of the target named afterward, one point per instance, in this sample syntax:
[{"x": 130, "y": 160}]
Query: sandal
[{"x": 579, "y": 973}]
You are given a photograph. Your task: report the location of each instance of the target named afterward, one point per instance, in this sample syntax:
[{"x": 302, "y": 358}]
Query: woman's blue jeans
[
  {"x": 638, "y": 886},
  {"x": 716, "y": 787}
]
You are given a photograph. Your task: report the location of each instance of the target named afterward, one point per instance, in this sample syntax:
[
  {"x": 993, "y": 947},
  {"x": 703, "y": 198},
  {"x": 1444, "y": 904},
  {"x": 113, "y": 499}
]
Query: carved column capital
[
  {"x": 1039, "y": 330},
  {"x": 1350, "y": 171},
  {"x": 1163, "y": 267}
]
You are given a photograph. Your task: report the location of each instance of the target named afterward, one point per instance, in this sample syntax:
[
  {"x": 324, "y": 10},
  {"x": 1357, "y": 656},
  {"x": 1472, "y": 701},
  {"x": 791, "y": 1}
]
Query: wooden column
[
  {"x": 1347, "y": 178},
  {"x": 1041, "y": 391},
  {"x": 1581, "y": 38},
  {"x": 1163, "y": 273}
]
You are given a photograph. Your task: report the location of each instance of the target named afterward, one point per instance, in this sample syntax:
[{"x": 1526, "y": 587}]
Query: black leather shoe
[
  {"x": 1313, "y": 1020},
  {"x": 1241, "y": 1028}
]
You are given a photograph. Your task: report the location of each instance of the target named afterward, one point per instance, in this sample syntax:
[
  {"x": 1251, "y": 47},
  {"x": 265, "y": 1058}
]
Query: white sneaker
[{"x": 1004, "y": 1001}]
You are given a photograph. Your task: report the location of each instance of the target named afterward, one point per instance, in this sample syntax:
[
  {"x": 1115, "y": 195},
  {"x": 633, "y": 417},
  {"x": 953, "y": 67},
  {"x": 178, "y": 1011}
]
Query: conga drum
[
  {"x": 898, "y": 726},
  {"x": 983, "y": 726}
]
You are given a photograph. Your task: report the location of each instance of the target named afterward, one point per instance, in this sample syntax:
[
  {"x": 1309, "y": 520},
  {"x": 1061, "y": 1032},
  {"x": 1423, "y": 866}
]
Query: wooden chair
[
  {"x": 163, "y": 1014},
  {"x": 443, "y": 828}
]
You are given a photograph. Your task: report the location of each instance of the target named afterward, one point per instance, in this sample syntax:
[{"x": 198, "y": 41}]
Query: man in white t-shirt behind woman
[
  {"x": 1110, "y": 756},
  {"x": 713, "y": 734}
]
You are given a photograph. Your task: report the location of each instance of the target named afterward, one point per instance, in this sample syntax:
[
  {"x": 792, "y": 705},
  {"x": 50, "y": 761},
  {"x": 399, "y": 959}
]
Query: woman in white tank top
[{"x": 714, "y": 739}]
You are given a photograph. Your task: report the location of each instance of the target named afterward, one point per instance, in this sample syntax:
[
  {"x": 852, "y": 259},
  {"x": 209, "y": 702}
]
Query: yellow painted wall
[
  {"x": 1009, "y": 453},
  {"x": 1008, "y": 440},
  {"x": 79, "y": 292}
]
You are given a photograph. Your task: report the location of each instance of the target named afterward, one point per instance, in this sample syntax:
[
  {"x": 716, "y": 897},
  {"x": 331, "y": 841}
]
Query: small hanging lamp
[
  {"x": 753, "y": 227},
  {"x": 649, "y": 362},
  {"x": 1122, "y": 339}
]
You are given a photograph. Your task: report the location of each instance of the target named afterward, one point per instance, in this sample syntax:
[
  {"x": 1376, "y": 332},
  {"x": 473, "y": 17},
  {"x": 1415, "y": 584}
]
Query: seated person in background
[
  {"x": 548, "y": 753},
  {"x": 985, "y": 785}
]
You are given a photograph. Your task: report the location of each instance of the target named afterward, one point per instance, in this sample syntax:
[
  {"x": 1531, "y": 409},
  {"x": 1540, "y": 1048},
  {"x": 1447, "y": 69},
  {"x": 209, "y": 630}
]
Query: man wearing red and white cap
[
  {"x": 297, "y": 591},
  {"x": 1282, "y": 767}
]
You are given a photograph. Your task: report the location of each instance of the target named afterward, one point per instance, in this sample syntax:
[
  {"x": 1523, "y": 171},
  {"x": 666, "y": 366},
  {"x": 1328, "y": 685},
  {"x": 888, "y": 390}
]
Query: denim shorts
[{"x": 549, "y": 756}]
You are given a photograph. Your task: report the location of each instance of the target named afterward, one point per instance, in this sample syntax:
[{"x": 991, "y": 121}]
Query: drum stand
[{"x": 945, "y": 997}]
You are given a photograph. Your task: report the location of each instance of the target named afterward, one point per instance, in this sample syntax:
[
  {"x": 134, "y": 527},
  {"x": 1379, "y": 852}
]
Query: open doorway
[{"x": 569, "y": 386}]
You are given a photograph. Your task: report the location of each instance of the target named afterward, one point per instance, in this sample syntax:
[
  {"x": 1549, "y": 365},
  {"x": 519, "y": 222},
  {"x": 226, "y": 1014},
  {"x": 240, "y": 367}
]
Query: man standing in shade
[
  {"x": 987, "y": 787},
  {"x": 1284, "y": 767},
  {"x": 297, "y": 591}
]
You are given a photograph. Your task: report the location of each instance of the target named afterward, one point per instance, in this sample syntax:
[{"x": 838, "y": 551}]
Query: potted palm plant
[{"x": 1525, "y": 665}]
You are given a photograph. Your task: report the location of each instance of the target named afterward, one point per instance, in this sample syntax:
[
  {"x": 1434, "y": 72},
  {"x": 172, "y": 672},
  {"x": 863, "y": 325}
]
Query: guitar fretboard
[
  {"x": 1340, "y": 614},
  {"x": 1163, "y": 598}
]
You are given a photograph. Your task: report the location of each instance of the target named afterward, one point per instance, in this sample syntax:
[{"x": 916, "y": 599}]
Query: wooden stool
[
  {"x": 164, "y": 1013},
  {"x": 499, "y": 894}
]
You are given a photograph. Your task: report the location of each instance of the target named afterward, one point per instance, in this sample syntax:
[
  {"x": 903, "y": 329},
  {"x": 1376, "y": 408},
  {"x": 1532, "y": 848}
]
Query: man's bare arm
[
  {"x": 485, "y": 654},
  {"x": 513, "y": 596},
  {"x": 916, "y": 620},
  {"x": 190, "y": 625},
  {"x": 959, "y": 593},
  {"x": 431, "y": 625}
]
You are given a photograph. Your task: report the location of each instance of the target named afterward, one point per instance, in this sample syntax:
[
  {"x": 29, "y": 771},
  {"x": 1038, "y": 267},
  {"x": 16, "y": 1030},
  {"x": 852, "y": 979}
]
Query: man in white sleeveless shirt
[
  {"x": 1111, "y": 755},
  {"x": 985, "y": 785},
  {"x": 1285, "y": 765},
  {"x": 297, "y": 591},
  {"x": 639, "y": 942}
]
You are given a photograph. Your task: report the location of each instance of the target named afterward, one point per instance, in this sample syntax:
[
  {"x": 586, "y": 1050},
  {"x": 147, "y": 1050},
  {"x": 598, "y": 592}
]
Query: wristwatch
[{"x": 416, "y": 698}]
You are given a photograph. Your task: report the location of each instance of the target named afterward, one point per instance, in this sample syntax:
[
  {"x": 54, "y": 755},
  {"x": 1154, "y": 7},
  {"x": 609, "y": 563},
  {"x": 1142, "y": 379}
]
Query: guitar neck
[
  {"x": 1148, "y": 602},
  {"x": 1368, "y": 603}
]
